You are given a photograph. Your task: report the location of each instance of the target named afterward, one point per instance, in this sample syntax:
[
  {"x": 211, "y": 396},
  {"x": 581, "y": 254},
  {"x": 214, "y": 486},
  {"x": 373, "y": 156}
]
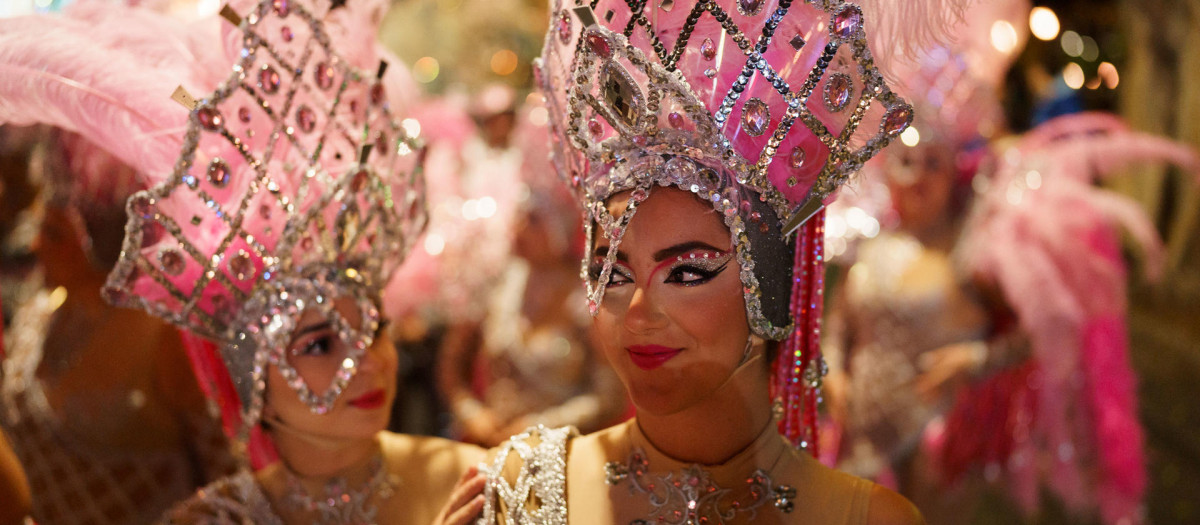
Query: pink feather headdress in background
[{"x": 1051, "y": 241}]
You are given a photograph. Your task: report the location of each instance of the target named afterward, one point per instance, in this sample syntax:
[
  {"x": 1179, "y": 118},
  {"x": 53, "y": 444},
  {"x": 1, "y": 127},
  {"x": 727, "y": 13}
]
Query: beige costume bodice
[
  {"x": 422, "y": 471},
  {"x": 616, "y": 476},
  {"x": 902, "y": 300}
]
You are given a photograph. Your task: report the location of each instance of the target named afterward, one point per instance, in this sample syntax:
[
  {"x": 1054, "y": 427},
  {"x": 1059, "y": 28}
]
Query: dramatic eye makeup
[
  {"x": 620, "y": 272},
  {"x": 689, "y": 264},
  {"x": 695, "y": 268},
  {"x": 314, "y": 340}
]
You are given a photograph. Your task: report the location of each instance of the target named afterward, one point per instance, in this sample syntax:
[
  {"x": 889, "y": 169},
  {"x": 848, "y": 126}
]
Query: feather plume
[
  {"x": 1050, "y": 240},
  {"x": 901, "y": 30},
  {"x": 102, "y": 85}
]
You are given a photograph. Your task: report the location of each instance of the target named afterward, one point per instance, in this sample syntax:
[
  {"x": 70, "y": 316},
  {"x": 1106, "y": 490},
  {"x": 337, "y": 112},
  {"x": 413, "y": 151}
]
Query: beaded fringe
[{"x": 797, "y": 378}]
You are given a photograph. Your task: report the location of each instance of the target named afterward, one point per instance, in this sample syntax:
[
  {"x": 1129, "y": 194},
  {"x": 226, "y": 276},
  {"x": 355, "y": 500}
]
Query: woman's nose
[{"x": 644, "y": 314}]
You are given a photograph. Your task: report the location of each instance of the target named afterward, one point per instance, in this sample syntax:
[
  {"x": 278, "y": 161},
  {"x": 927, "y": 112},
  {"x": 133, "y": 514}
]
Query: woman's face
[
  {"x": 921, "y": 182},
  {"x": 673, "y": 321},
  {"x": 316, "y": 353}
]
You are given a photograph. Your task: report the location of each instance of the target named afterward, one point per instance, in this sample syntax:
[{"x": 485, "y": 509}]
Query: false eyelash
[{"x": 595, "y": 268}]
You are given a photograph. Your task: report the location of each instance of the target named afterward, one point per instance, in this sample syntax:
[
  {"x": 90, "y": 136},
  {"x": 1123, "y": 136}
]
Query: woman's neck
[
  {"x": 314, "y": 458},
  {"x": 713, "y": 431}
]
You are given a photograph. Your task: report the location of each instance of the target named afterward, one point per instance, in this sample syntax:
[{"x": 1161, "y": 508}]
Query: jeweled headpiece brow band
[
  {"x": 741, "y": 97},
  {"x": 294, "y": 160}
]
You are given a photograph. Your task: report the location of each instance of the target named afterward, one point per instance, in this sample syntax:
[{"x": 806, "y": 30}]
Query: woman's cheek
[{"x": 711, "y": 313}]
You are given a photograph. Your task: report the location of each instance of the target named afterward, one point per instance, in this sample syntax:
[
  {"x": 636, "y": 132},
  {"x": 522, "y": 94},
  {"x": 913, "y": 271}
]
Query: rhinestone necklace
[
  {"x": 690, "y": 496},
  {"x": 339, "y": 504}
]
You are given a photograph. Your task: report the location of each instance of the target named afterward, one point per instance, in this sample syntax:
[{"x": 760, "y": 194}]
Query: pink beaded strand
[{"x": 801, "y": 351}]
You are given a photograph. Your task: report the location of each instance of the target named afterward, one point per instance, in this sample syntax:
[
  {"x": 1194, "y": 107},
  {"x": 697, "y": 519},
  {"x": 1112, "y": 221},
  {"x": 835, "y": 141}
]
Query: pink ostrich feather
[
  {"x": 53, "y": 73},
  {"x": 1050, "y": 240},
  {"x": 900, "y": 30}
]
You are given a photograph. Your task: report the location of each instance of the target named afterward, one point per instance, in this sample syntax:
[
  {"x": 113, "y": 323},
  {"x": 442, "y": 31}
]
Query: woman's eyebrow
[
  {"x": 602, "y": 251},
  {"x": 312, "y": 328},
  {"x": 682, "y": 248}
]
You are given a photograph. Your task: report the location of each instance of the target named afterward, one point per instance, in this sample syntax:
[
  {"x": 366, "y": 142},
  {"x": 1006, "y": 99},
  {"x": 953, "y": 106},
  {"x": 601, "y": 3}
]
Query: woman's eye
[
  {"x": 316, "y": 347},
  {"x": 617, "y": 276},
  {"x": 689, "y": 275},
  {"x": 700, "y": 271}
]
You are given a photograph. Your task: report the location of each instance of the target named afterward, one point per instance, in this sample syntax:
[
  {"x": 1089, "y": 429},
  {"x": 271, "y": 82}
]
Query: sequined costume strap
[
  {"x": 236, "y": 499},
  {"x": 538, "y": 457}
]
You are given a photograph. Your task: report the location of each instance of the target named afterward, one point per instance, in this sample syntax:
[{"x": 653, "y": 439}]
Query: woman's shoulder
[
  {"x": 428, "y": 453},
  {"x": 868, "y": 502},
  {"x": 890, "y": 508},
  {"x": 237, "y": 498}
]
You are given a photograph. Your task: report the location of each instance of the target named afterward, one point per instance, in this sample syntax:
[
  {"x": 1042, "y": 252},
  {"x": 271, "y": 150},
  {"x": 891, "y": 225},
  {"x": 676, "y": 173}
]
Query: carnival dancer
[
  {"x": 279, "y": 204},
  {"x": 985, "y": 337},
  {"x": 702, "y": 139},
  {"x": 906, "y": 326}
]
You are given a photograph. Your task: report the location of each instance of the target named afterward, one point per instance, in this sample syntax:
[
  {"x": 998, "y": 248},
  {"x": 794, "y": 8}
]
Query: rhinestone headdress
[
  {"x": 295, "y": 186},
  {"x": 761, "y": 107}
]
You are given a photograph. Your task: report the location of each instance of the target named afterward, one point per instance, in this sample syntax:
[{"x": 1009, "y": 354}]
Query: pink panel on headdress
[{"x": 711, "y": 63}]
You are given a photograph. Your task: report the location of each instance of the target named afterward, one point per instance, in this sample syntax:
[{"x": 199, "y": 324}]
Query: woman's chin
[{"x": 657, "y": 401}]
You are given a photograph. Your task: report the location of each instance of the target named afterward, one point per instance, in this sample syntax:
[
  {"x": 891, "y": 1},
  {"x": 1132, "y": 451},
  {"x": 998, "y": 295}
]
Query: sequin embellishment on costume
[
  {"x": 543, "y": 478},
  {"x": 340, "y": 504},
  {"x": 690, "y": 496}
]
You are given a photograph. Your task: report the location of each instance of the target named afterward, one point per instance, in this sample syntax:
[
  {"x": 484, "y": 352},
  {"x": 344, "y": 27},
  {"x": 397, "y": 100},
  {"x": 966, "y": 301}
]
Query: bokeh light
[
  {"x": 426, "y": 69},
  {"x": 1043, "y": 23}
]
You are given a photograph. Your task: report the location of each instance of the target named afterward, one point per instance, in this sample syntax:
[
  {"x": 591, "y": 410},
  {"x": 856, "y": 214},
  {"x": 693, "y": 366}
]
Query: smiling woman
[
  {"x": 269, "y": 227},
  {"x": 699, "y": 136},
  {"x": 673, "y": 318}
]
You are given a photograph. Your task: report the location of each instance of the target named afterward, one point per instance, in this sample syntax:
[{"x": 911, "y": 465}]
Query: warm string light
[
  {"x": 504, "y": 62},
  {"x": 1073, "y": 75}
]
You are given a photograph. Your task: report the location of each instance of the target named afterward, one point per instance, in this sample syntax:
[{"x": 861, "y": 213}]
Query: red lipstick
[
  {"x": 649, "y": 357},
  {"x": 370, "y": 400}
]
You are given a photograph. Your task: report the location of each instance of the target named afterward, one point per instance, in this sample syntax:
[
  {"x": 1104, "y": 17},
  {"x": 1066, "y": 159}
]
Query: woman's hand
[
  {"x": 948, "y": 366},
  {"x": 466, "y": 501},
  {"x": 481, "y": 426}
]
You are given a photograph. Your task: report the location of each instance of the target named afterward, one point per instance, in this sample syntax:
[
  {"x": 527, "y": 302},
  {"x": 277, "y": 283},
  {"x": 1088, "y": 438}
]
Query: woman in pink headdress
[
  {"x": 702, "y": 139},
  {"x": 984, "y": 338},
  {"x": 278, "y": 206}
]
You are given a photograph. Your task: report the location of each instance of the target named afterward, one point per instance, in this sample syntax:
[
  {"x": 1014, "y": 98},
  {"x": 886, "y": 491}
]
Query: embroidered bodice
[
  {"x": 902, "y": 300},
  {"x": 616, "y": 476},
  {"x": 421, "y": 473}
]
